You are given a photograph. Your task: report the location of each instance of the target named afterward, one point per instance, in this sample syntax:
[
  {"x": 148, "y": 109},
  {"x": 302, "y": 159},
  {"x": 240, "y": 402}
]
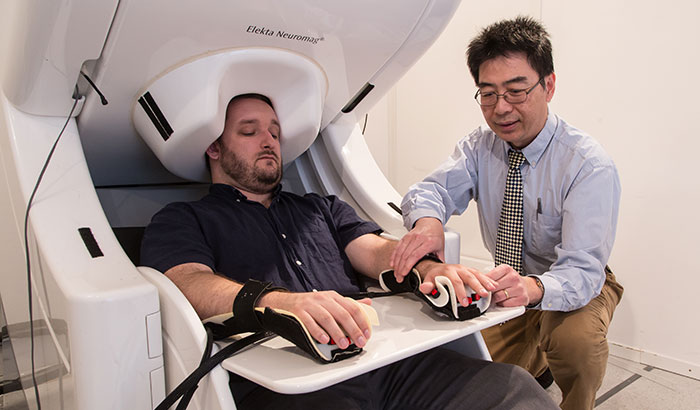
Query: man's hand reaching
[
  {"x": 427, "y": 236},
  {"x": 514, "y": 289}
]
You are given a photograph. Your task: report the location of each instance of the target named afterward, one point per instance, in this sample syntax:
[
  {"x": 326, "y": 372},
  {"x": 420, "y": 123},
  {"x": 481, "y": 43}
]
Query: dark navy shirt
[{"x": 298, "y": 242}]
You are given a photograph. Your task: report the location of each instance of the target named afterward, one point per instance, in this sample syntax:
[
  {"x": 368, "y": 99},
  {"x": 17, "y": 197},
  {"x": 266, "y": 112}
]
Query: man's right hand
[
  {"x": 325, "y": 314},
  {"x": 426, "y": 236}
]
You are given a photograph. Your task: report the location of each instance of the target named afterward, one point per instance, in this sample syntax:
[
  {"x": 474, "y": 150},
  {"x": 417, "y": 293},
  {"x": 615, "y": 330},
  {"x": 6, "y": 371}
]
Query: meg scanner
[{"x": 104, "y": 329}]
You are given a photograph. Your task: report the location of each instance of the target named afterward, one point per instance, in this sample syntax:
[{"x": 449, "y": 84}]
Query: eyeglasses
[{"x": 511, "y": 96}]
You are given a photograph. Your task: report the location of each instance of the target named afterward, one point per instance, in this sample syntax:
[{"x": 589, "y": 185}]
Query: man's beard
[{"x": 250, "y": 177}]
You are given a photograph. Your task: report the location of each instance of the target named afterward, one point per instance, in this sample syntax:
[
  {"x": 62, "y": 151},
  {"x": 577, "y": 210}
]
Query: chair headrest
[{"x": 183, "y": 111}]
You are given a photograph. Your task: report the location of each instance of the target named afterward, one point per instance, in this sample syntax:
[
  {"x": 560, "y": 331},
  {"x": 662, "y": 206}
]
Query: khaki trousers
[{"x": 573, "y": 344}]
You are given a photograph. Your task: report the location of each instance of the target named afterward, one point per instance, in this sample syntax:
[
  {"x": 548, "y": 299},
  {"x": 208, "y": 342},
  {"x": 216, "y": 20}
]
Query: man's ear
[
  {"x": 213, "y": 151},
  {"x": 550, "y": 82}
]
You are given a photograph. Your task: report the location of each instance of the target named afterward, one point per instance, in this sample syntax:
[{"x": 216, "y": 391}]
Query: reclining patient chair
[{"x": 137, "y": 91}]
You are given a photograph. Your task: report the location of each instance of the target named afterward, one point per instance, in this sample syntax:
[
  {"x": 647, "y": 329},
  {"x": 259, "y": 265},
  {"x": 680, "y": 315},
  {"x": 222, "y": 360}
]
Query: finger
[
  {"x": 462, "y": 277},
  {"x": 346, "y": 317},
  {"x": 397, "y": 257},
  {"x": 332, "y": 328},
  {"x": 500, "y": 296},
  {"x": 395, "y": 254},
  {"x": 405, "y": 267},
  {"x": 426, "y": 287},
  {"x": 324, "y": 310},
  {"x": 313, "y": 328},
  {"x": 412, "y": 247},
  {"x": 499, "y": 272},
  {"x": 441, "y": 254},
  {"x": 479, "y": 282},
  {"x": 406, "y": 261},
  {"x": 461, "y": 292},
  {"x": 341, "y": 318},
  {"x": 399, "y": 251},
  {"x": 513, "y": 301},
  {"x": 414, "y": 255},
  {"x": 366, "y": 301},
  {"x": 356, "y": 325}
]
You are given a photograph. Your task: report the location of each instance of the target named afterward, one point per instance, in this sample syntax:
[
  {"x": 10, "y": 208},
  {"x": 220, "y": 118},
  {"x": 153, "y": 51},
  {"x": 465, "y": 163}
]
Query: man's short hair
[
  {"x": 254, "y": 96},
  {"x": 507, "y": 37}
]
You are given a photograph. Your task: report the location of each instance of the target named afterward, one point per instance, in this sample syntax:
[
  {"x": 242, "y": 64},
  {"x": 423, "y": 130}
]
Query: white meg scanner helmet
[{"x": 183, "y": 111}]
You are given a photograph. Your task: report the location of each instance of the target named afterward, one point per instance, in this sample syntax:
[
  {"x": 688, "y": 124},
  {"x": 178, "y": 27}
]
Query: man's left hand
[{"x": 512, "y": 288}]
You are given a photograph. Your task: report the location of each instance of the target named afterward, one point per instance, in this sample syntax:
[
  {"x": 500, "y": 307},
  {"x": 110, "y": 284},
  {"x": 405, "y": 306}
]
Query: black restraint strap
[
  {"x": 244, "y": 318},
  {"x": 409, "y": 284},
  {"x": 187, "y": 387},
  {"x": 185, "y": 401},
  {"x": 244, "y": 305}
]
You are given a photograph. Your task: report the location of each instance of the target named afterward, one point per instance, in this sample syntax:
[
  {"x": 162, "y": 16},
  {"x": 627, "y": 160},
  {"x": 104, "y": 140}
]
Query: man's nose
[
  {"x": 267, "y": 139},
  {"x": 502, "y": 106}
]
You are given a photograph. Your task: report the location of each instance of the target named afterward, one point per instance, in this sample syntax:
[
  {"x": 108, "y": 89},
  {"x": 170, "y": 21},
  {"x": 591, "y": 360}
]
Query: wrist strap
[
  {"x": 244, "y": 318},
  {"x": 244, "y": 304}
]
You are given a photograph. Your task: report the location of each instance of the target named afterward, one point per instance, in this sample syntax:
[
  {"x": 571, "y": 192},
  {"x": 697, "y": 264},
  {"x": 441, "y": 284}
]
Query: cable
[
  {"x": 103, "y": 100},
  {"x": 26, "y": 249}
]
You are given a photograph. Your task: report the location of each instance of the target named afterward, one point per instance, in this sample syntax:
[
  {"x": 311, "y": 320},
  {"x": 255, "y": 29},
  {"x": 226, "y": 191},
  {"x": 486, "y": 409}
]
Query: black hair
[{"x": 506, "y": 37}]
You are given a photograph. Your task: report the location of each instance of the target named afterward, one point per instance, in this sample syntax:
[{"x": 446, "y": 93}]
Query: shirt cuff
[
  {"x": 410, "y": 219},
  {"x": 553, "y": 295}
]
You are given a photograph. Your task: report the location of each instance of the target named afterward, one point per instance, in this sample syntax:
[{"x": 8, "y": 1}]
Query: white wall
[{"x": 627, "y": 74}]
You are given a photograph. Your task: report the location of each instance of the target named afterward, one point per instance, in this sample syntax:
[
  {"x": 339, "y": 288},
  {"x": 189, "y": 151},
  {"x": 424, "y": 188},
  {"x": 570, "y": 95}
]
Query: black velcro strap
[
  {"x": 187, "y": 386},
  {"x": 244, "y": 305},
  {"x": 410, "y": 282},
  {"x": 244, "y": 318}
]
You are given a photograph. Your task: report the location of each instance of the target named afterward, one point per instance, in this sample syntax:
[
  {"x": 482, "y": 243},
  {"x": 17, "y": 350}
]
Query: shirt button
[
  {"x": 299, "y": 263},
  {"x": 238, "y": 200},
  {"x": 549, "y": 305},
  {"x": 284, "y": 236}
]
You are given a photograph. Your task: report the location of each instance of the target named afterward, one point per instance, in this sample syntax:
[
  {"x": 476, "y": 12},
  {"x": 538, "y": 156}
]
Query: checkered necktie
[{"x": 509, "y": 242}]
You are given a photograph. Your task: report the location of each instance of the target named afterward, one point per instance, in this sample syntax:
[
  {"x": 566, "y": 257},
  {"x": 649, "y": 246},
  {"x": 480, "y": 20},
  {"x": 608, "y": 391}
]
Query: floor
[{"x": 627, "y": 385}]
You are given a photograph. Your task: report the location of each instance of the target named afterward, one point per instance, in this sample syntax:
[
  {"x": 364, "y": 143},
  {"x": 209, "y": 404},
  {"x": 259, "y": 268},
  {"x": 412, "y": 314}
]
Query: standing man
[
  {"x": 248, "y": 228},
  {"x": 547, "y": 196}
]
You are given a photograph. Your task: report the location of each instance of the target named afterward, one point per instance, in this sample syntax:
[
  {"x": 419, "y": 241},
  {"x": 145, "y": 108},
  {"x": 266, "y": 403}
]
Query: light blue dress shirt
[{"x": 571, "y": 196}]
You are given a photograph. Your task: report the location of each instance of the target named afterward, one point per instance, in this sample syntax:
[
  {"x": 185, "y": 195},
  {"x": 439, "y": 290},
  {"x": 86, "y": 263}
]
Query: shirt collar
[
  {"x": 533, "y": 152},
  {"x": 230, "y": 190}
]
